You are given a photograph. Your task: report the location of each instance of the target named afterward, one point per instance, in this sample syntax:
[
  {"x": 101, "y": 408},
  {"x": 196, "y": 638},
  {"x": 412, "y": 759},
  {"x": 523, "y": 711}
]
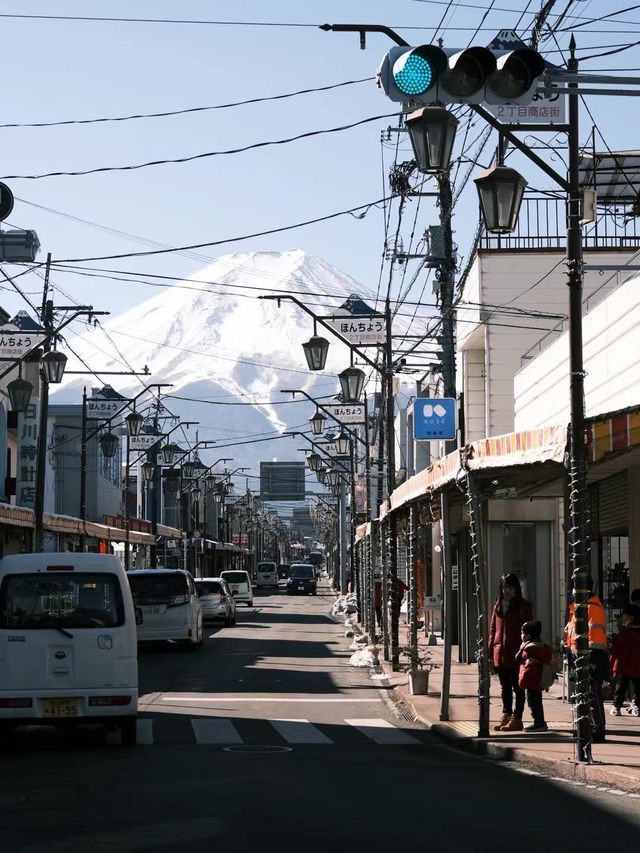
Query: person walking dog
[{"x": 509, "y": 614}]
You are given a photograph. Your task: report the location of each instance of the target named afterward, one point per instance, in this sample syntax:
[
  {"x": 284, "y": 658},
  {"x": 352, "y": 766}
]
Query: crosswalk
[{"x": 222, "y": 731}]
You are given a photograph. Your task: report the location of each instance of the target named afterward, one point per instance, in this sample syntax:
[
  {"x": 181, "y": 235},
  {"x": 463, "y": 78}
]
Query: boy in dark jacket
[
  {"x": 531, "y": 655},
  {"x": 624, "y": 657}
]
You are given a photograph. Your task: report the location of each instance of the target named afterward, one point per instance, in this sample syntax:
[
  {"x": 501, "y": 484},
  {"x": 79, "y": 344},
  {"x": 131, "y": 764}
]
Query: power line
[{"x": 206, "y": 155}]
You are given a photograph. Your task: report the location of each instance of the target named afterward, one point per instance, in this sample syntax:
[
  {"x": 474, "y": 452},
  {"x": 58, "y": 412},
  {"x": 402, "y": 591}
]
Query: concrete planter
[{"x": 418, "y": 682}]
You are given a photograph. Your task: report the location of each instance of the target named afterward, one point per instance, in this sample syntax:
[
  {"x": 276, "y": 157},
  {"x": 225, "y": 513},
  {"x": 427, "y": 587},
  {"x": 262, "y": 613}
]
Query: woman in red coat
[
  {"x": 624, "y": 657},
  {"x": 509, "y": 614}
]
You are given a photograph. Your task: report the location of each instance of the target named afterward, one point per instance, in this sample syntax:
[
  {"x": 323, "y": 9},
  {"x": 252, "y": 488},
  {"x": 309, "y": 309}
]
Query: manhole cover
[{"x": 257, "y": 749}]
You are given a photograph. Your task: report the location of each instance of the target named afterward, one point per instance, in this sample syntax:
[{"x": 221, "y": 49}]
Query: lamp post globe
[
  {"x": 313, "y": 461},
  {"x": 54, "y": 363},
  {"x": 109, "y": 444},
  {"x": 188, "y": 469},
  {"x": 19, "y": 391},
  {"x": 342, "y": 443},
  {"x": 317, "y": 422},
  {"x": 315, "y": 351},
  {"x": 351, "y": 384},
  {"x": 169, "y": 453},
  {"x": 147, "y": 470},
  {"x": 500, "y": 191},
  {"x": 134, "y": 422},
  {"x": 432, "y": 131}
]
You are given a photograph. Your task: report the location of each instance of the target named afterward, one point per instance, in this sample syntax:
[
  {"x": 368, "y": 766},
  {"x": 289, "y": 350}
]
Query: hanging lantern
[
  {"x": 321, "y": 473},
  {"x": 315, "y": 351},
  {"x": 210, "y": 481},
  {"x": 336, "y": 489},
  {"x": 317, "y": 422},
  {"x": 54, "y": 363},
  {"x": 134, "y": 422},
  {"x": 342, "y": 443},
  {"x": 432, "y": 131},
  {"x": 500, "y": 191},
  {"x": 188, "y": 469},
  {"x": 169, "y": 453},
  {"x": 109, "y": 444},
  {"x": 171, "y": 481},
  {"x": 314, "y": 461},
  {"x": 19, "y": 391},
  {"x": 148, "y": 470},
  {"x": 196, "y": 493},
  {"x": 351, "y": 383},
  {"x": 332, "y": 477}
]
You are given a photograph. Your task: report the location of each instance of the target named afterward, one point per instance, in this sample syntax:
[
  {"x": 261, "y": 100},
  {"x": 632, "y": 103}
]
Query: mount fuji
[{"x": 226, "y": 352}]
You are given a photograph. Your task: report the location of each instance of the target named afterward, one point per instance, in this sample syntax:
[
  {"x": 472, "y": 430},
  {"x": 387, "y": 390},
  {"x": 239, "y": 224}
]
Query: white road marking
[
  {"x": 381, "y": 731},
  {"x": 223, "y": 699},
  {"x": 144, "y": 729},
  {"x": 299, "y": 731},
  {"x": 215, "y": 730}
]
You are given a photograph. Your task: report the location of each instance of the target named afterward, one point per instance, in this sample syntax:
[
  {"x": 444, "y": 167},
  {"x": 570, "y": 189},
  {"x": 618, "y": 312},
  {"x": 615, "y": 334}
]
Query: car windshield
[
  {"x": 302, "y": 572},
  {"x": 208, "y": 587},
  {"x": 66, "y": 600},
  {"x": 235, "y": 577},
  {"x": 158, "y": 589}
]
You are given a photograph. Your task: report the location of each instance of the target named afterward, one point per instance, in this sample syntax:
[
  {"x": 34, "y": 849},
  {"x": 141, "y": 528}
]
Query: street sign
[
  {"x": 143, "y": 441},
  {"x": 358, "y": 329},
  {"x": 434, "y": 418},
  {"x": 6, "y": 201},
  {"x": 541, "y": 110},
  {"x": 15, "y": 344},
  {"x": 100, "y": 409},
  {"x": 329, "y": 447},
  {"x": 432, "y": 602},
  {"x": 345, "y": 414}
]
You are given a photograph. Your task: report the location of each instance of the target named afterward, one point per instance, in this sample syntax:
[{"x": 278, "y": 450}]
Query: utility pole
[{"x": 38, "y": 504}]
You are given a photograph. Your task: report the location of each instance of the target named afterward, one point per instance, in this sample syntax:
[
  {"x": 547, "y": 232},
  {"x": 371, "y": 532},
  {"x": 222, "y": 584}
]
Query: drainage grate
[{"x": 257, "y": 749}]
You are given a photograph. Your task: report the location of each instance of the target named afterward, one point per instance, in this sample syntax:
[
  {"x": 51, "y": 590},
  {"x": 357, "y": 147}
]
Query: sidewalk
[{"x": 616, "y": 762}]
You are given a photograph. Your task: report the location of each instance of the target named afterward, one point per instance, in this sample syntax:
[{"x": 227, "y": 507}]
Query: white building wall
[{"x": 611, "y": 362}]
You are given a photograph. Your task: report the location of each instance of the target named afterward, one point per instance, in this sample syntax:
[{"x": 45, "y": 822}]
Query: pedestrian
[
  {"x": 531, "y": 656},
  {"x": 508, "y": 615},
  {"x": 624, "y": 658},
  {"x": 598, "y": 656}
]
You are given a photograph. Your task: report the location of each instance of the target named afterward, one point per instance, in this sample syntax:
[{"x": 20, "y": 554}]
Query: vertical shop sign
[{"x": 27, "y": 454}]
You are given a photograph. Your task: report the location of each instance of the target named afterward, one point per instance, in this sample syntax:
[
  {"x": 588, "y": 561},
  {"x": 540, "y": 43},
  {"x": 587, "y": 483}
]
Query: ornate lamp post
[{"x": 432, "y": 131}]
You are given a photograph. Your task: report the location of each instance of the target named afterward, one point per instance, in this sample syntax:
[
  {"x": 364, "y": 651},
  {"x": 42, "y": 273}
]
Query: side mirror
[{"x": 139, "y": 618}]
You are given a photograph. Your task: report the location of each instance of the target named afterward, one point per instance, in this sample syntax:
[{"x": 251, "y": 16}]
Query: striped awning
[{"x": 613, "y": 433}]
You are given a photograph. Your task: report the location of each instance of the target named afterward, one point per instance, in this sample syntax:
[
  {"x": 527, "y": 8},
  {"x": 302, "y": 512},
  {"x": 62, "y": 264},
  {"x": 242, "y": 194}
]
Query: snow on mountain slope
[{"x": 211, "y": 337}]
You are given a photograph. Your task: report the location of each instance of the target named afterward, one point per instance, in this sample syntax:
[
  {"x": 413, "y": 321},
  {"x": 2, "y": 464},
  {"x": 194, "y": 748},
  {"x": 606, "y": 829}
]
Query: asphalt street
[{"x": 265, "y": 739}]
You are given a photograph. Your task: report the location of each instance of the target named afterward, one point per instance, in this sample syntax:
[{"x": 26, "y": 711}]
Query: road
[{"x": 266, "y": 740}]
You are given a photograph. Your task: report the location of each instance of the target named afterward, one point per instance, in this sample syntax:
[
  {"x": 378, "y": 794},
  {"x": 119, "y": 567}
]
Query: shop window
[{"x": 615, "y": 578}]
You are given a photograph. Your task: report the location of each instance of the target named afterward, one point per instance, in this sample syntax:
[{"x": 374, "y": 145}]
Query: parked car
[
  {"x": 283, "y": 571},
  {"x": 239, "y": 584},
  {"x": 302, "y": 579},
  {"x": 217, "y": 600},
  {"x": 266, "y": 573},
  {"x": 171, "y": 609},
  {"x": 68, "y": 651}
]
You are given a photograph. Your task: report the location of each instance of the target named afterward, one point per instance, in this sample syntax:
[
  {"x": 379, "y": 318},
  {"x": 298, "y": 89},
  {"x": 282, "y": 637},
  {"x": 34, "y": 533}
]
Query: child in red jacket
[
  {"x": 624, "y": 657},
  {"x": 531, "y": 655}
]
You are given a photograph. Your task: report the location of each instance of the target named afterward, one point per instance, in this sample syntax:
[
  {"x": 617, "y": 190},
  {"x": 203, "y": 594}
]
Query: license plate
[
  {"x": 60, "y": 707},
  {"x": 301, "y": 586},
  {"x": 149, "y": 610},
  {"x": 235, "y": 589}
]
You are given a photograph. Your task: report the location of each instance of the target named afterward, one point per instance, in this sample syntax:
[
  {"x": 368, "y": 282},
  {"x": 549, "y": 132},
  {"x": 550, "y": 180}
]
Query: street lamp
[
  {"x": 169, "y": 452},
  {"x": 332, "y": 477},
  {"x": 188, "y": 469},
  {"x": 148, "y": 469},
  {"x": 317, "y": 422},
  {"x": 109, "y": 444},
  {"x": 54, "y": 363},
  {"x": 196, "y": 493},
  {"x": 432, "y": 131},
  {"x": 500, "y": 191},
  {"x": 315, "y": 351},
  {"x": 351, "y": 383},
  {"x": 342, "y": 443},
  {"x": 314, "y": 460},
  {"x": 19, "y": 391},
  {"x": 321, "y": 473},
  {"x": 134, "y": 422}
]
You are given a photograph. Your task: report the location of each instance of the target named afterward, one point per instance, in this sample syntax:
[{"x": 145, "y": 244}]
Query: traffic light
[{"x": 476, "y": 75}]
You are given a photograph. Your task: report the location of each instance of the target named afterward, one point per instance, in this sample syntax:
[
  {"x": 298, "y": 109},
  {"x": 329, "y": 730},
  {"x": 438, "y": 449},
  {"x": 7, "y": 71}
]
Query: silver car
[{"x": 216, "y": 599}]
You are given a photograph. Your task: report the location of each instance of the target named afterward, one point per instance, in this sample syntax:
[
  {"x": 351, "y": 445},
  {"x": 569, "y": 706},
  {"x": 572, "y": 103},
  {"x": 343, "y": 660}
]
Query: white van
[
  {"x": 239, "y": 584},
  {"x": 68, "y": 652},
  {"x": 171, "y": 608},
  {"x": 267, "y": 573}
]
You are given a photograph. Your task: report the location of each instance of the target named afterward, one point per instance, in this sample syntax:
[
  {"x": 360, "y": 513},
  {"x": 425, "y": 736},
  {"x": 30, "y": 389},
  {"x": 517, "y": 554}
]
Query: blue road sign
[{"x": 434, "y": 418}]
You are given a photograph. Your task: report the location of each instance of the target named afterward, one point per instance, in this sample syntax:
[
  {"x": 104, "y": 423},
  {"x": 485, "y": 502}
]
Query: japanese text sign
[{"x": 359, "y": 329}]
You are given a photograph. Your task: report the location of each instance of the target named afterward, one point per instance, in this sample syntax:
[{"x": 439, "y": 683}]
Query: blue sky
[{"x": 58, "y": 70}]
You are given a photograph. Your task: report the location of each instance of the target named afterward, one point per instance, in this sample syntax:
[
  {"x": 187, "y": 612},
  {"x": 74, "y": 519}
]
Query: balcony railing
[{"x": 542, "y": 225}]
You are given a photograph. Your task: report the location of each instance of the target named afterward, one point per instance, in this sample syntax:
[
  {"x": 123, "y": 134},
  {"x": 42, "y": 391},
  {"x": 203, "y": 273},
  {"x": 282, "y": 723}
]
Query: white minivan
[
  {"x": 68, "y": 651},
  {"x": 267, "y": 573},
  {"x": 171, "y": 608}
]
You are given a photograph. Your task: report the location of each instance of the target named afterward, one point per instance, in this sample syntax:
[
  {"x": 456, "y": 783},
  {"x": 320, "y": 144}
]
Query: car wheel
[
  {"x": 228, "y": 621},
  {"x": 128, "y": 731}
]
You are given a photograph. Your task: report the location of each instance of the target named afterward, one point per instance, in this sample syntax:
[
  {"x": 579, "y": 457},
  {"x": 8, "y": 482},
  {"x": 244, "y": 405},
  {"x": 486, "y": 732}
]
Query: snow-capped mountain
[{"x": 217, "y": 342}]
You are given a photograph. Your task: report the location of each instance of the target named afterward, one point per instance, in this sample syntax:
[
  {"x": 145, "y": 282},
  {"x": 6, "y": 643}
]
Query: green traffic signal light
[{"x": 413, "y": 74}]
